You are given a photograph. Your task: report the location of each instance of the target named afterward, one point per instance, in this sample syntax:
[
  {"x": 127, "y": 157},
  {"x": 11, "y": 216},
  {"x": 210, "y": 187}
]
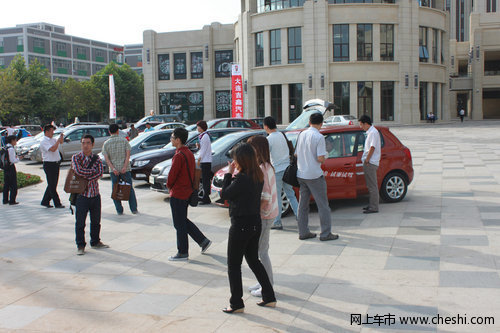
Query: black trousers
[
  {"x": 85, "y": 205},
  {"x": 184, "y": 226},
  {"x": 9, "y": 184},
  {"x": 51, "y": 170},
  {"x": 206, "y": 179},
  {"x": 244, "y": 241}
]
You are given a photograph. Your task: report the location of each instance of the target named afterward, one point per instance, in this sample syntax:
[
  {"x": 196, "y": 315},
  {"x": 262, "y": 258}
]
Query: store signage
[{"x": 237, "y": 92}]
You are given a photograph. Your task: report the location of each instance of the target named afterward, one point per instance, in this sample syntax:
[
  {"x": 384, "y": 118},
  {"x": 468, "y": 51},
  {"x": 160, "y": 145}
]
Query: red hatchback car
[{"x": 343, "y": 169}]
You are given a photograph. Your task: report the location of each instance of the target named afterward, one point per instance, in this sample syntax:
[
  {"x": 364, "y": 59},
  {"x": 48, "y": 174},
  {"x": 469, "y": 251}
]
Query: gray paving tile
[
  {"x": 465, "y": 240},
  {"x": 413, "y": 263},
  {"x": 129, "y": 283},
  {"x": 489, "y": 209},
  {"x": 465, "y": 279},
  {"x": 159, "y": 305},
  {"x": 458, "y": 194},
  {"x": 421, "y": 230},
  {"x": 18, "y": 316},
  {"x": 320, "y": 249},
  {"x": 69, "y": 266},
  {"x": 422, "y": 215}
]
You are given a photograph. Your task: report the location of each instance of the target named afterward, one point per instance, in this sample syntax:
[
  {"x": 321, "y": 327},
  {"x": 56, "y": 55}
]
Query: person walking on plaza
[
  {"x": 51, "y": 157},
  {"x": 244, "y": 195},
  {"x": 88, "y": 166},
  {"x": 116, "y": 151},
  {"x": 9, "y": 172},
  {"x": 205, "y": 160},
  {"x": 280, "y": 160},
  {"x": 371, "y": 159},
  {"x": 462, "y": 115},
  {"x": 133, "y": 132},
  {"x": 311, "y": 153},
  {"x": 268, "y": 206},
  {"x": 179, "y": 183}
]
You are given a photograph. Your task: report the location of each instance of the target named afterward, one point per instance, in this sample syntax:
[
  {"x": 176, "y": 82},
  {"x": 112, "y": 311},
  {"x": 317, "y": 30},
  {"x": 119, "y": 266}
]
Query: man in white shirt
[
  {"x": 311, "y": 153},
  {"x": 49, "y": 147},
  {"x": 10, "y": 173},
  {"x": 205, "y": 160},
  {"x": 371, "y": 159},
  {"x": 280, "y": 159},
  {"x": 10, "y": 130}
]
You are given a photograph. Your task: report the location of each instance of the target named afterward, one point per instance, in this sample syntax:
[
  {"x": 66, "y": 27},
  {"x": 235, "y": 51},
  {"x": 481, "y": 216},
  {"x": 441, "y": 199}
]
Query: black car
[{"x": 143, "y": 163}]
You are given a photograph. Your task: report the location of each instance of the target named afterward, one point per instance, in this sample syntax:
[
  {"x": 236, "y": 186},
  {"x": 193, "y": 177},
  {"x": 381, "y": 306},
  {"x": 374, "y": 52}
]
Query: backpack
[{"x": 4, "y": 158}]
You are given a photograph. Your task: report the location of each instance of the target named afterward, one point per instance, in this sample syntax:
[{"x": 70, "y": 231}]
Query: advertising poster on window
[
  {"x": 163, "y": 67},
  {"x": 196, "y": 65},
  {"x": 223, "y": 103},
  {"x": 237, "y": 92},
  {"x": 223, "y": 60},
  {"x": 180, "y": 66},
  {"x": 188, "y": 105}
]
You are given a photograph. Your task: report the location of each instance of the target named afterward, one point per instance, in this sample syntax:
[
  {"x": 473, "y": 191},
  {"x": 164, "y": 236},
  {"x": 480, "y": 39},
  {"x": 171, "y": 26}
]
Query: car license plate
[{"x": 151, "y": 179}]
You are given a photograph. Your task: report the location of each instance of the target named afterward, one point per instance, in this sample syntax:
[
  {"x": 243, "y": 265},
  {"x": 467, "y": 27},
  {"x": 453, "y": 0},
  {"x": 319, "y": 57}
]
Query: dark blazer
[{"x": 243, "y": 195}]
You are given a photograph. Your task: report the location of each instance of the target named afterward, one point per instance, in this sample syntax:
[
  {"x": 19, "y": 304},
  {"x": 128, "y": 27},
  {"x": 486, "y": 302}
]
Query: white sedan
[{"x": 340, "y": 120}]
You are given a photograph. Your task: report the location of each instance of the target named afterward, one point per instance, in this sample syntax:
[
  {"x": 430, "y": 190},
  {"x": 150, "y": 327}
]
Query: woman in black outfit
[{"x": 243, "y": 193}]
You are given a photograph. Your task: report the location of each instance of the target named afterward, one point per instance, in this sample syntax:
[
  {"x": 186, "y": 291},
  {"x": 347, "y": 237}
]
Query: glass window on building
[
  {"x": 2, "y": 62},
  {"x": 81, "y": 52},
  {"x": 61, "y": 66},
  {"x": 341, "y": 98},
  {"x": 38, "y": 45},
  {"x": 423, "y": 52},
  {"x": 387, "y": 100},
  {"x": 387, "y": 42},
  {"x": 360, "y": 1},
  {"x": 81, "y": 68},
  {"x": 223, "y": 61},
  {"x": 491, "y": 6},
  {"x": 365, "y": 42},
  {"x": 294, "y": 100},
  {"x": 61, "y": 49},
  {"x": 163, "y": 67},
  {"x": 435, "y": 36},
  {"x": 20, "y": 43},
  {"x": 435, "y": 107},
  {"x": 423, "y": 100},
  {"x": 187, "y": 105},
  {"x": 179, "y": 66},
  {"x": 260, "y": 101},
  {"x": 341, "y": 42},
  {"x": 365, "y": 98},
  {"x": 259, "y": 49},
  {"x": 100, "y": 55},
  {"x": 43, "y": 61},
  {"x": 223, "y": 104},
  {"x": 294, "y": 45},
  {"x": 276, "y": 103},
  {"x": 1, "y": 41},
  {"x": 267, "y": 5},
  {"x": 275, "y": 46},
  {"x": 197, "y": 65}
]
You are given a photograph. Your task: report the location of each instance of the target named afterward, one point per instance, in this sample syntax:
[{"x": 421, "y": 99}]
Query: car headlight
[
  {"x": 140, "y": 163},
  {"x": 166, "y": 171}
]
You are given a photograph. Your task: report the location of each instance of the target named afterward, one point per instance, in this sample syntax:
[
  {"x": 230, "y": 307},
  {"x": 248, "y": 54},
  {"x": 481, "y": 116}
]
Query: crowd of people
[{"x": 252, "y": 186}]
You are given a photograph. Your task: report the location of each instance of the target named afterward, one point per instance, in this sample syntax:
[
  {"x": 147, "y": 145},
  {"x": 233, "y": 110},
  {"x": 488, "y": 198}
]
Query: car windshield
[
  {"x": 191, "y": 135},
  {"x": 302, "y": 121},
  {"x": 218, "y": 146},
  {"x": 210, "y": 123},
  {"x": 349, "y": 117},
  {"x": 137, "y": 140}
]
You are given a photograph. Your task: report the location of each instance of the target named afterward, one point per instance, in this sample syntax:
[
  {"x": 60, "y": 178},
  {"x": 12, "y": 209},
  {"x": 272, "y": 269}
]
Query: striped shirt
[
  {"x": 80, "y": 164},
  {"x": 269, "y": 198}
]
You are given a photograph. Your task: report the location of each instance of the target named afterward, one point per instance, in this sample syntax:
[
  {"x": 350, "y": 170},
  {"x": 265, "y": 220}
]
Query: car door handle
[{"x": 348, "y": 164}]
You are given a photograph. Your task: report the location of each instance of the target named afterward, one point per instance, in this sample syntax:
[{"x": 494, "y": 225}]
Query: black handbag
[
  {"x": 193, "y": 198},
  {"x": 290, "y": 174}
]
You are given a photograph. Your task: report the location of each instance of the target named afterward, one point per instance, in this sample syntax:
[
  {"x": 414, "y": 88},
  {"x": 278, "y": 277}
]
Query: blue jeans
[
  {"x": 132, "y": 201},
  {"x": 290, "y": 194}
]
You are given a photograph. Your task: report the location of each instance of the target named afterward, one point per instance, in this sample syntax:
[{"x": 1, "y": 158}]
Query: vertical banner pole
[
  {"x": 236, "y": 92},
  {"x": 112, "y": 100}
]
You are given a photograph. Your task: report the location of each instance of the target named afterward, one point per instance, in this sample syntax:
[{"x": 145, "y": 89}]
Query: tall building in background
[
  {"x": 133, "y": 57},
  {"x": 63, "y": 55},
  {"x": 475, "y": 59}
]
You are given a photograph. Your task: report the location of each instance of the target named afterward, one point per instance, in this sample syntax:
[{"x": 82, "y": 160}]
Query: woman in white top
[{"x": 205, "y": 160}]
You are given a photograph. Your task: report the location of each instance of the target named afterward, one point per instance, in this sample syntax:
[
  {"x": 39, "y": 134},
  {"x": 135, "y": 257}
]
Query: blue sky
[{"x": 120, "y": 22}]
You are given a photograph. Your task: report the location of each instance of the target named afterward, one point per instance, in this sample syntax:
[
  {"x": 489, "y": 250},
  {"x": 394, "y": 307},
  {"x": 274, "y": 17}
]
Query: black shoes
[
  {"x": 271, "y": 304},
  {"x": 179, "y": 257},
  {"x": 80, "y": 251},
  {"x": 233, "y": 310},
  {"x": 277, "y": 227},
  {"x": 205, "y": 245},
  {"x": 307, "y": 236},
  {"x": 329, "y": 237},
  {"x": 47, "y": 205},
  {"x": 13, "y": 203},
  {"x": 204, "y": 202},
  {"x": 60, "y": 206},
  {"x": 370, "y": 211},
  {"x": 99, "y": 245}
]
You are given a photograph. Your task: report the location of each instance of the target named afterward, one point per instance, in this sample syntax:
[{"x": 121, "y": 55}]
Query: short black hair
[
  {"x": 132, "y": 125},
  {"x": 10, "y": 138},
  {"x": 365, "y": 119},
  {"x": 203, "y": 124},
  {"x": 113, "y": 128},
  {"x": 316, "y": 118},
  {"x": 47, "y": 128},
  {"x": 148, "y": 124},
  {"x": 270, "y": 122},
  {"x": 181, "y": 133},
  {"x": 88, "y": 136}
]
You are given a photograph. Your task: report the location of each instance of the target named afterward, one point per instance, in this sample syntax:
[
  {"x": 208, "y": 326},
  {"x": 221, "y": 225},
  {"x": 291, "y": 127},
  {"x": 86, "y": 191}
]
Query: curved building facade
[{"x": 385, "y": 58}]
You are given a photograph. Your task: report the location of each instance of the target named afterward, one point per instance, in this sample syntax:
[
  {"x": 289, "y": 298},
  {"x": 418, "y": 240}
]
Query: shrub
[{"x": 23, "y": 179}]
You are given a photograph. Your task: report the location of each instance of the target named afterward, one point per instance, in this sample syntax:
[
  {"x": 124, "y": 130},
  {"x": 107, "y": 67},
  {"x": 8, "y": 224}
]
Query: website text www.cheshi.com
[{"x": 392, "y": 319}]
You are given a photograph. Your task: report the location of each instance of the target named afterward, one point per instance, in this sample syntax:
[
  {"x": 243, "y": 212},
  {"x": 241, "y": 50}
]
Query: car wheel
[
  {"x": 285, "y": 204},
  {"x": 394, "y": 187}
]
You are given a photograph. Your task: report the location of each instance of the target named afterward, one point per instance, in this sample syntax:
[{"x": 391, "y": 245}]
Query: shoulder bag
[
  {"x": 290, "y": 175},
  {"x": 193, "y": 198}
]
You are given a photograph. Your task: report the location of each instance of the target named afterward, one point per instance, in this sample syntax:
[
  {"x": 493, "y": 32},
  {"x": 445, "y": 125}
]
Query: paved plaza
[{"x": 435, "y": 253}]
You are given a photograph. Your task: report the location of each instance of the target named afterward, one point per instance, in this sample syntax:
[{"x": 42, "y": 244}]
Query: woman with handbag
[
  {"x": 244, "y": 194},
  {"x": 180, "y": 185},
  {"x": 268, "y": 206}
]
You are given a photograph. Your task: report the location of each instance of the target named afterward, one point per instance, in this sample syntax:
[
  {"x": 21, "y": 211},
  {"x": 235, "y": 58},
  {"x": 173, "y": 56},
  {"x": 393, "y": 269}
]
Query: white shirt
[
  {"x": 205, "y": 153},
  {"x": 310, "y": 145},
  {"x": 462, "y": 112},
  {"x": 280, "y": 155},
  {"x": 47, "y": 155},
  {"x": 10, "y": 131},
  {"x": 372, "y": 140},
  {"x": 12, "y": 154}
]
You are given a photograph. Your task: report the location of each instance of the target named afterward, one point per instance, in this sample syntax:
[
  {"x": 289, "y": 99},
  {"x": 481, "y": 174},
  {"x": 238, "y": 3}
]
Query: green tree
[
  {"x": 129, "y": 91},
  {"x": 12, "y": 98},
  {"x": 80, "y": 99}
]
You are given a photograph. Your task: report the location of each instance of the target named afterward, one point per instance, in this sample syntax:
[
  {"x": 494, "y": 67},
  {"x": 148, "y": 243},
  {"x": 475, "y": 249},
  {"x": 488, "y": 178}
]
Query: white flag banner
[{"x": 112, "y": 100}]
